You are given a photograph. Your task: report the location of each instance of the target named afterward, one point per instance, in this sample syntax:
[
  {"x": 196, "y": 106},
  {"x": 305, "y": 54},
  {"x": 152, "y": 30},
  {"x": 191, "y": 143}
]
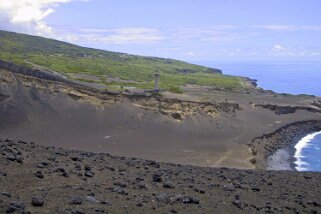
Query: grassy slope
[{"x": 70, "y": 59}]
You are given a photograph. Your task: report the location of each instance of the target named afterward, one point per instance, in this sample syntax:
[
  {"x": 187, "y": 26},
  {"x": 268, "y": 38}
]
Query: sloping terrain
[
  {"x": 108, "y": 69},
  {"x": 166, "y": 127}
]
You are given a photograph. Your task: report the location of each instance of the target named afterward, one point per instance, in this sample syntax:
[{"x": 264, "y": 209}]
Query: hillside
[{"x": 110, "y": 69}]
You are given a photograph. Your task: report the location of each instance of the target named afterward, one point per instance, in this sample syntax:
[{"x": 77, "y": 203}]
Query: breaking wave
[{"x": 304, "y": 161}]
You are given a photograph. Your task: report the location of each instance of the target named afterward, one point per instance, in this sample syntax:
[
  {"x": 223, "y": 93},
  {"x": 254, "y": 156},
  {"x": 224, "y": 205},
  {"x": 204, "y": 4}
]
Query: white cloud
[
  {"x": 135, "y": 35},
  {"x": 28, "y": 15},
  {"x": 130, "y": 35},
  {"x": 277, "y": 27},
  {"x": 288, "y": 28},
  {"x": 190, "y": 53},
  {"x": 280, "y": 50},
  {"x": 311, "y": 27},
  {"x": 214, "y": 34},
  {"x": 315, "y": 53}
]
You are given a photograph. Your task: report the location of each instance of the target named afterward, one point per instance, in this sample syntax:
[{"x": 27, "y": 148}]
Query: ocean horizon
[{"x": 293, "y": 77}]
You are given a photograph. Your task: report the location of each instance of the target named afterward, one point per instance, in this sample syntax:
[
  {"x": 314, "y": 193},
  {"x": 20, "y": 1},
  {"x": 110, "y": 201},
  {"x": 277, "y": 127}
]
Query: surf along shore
[{"x": 279, "y": 147}]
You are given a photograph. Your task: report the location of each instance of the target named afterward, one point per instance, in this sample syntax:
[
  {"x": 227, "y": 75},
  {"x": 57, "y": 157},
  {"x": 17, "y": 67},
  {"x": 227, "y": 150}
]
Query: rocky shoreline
[
  {"x": 38, "y": 179},
  {"x": 284, "y": 138}
]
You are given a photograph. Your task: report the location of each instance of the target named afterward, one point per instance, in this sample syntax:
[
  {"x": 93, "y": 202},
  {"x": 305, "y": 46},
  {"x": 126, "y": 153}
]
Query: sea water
[
  {"x": 308, "y": 153},
  {"x": 293, "y": 77}
]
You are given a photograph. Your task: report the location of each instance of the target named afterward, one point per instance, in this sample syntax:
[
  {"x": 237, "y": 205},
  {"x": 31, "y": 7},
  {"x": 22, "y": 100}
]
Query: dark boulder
[{"x": 37, "y": 201}]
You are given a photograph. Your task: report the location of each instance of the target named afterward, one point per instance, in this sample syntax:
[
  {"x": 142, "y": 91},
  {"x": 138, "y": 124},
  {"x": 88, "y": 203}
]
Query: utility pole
[{"x": 156, "y": 88}]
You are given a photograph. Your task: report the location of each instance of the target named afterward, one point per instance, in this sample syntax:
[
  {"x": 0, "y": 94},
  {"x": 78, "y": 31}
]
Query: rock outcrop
[{"x": 285, "y": 109}]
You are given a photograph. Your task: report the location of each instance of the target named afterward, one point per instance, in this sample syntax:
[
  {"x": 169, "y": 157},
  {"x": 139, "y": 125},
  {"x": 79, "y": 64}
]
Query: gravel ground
[{"x": 38, "y": 179}]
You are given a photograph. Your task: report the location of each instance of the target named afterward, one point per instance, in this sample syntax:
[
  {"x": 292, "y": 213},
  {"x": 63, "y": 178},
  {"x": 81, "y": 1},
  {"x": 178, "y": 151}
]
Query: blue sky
[{"x": 192, "y": 30}]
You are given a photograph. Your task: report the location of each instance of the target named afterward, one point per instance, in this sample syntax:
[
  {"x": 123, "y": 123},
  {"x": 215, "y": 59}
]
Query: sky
[{"x": 191, "y": 30}]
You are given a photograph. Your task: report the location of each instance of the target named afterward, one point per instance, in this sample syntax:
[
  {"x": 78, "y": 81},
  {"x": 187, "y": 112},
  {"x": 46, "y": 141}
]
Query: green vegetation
[
  {"x": 175, "y": 89},
  {"x": 69, "y": 59}
]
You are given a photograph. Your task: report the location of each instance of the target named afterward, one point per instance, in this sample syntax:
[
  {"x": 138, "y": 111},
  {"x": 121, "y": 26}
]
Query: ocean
[
  {"x": 293, "y": 77},
  {"x": 308, "y": 153},
  {"x": 300, "y": 77}
]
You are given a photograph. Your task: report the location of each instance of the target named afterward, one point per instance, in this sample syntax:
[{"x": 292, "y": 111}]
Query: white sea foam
[{"x": 303, "y": 143}]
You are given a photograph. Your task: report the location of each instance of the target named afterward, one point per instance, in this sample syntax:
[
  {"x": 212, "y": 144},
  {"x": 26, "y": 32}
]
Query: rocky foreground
[{"x": 37, "y": 179}]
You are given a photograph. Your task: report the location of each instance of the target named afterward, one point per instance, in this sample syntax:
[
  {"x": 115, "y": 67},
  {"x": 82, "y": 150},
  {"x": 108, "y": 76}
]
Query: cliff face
[
  {"x": 180, "y": 109},
  {"x": 174, "y": 108}
]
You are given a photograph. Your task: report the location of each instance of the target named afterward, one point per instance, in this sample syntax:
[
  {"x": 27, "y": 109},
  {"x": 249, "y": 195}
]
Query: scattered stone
[
  {"x": 6, "y": 194},
  {"x": 92, "y": 199},
  {"x": 77, "y": 166},
  {"x": 37, "y": 201},
  {"x": 19, "y": 159},
  {"x": 120, "y": 184},
  {"x": 110, "y": 168},
  {"x": 173, "y": 211},
  {"x": 168, "y": 184},
  {"x": 229, "y": 187},
  {"x": 89, "y": 174},
  {"x": 60, "y": 169},
  {"x": 42, "y": 165},
  {"x": 142, "y": 185},
  {"x": 105, "y": 202},
  {"x": 65, "y": 174},
  {"x": 11, "y": 158},
  {"x": 119, "y": 190},
  {"x": 39, "y": 174},
  {"x": 157, "y": 177},
  {"x": 238, "y": 204},
  {"x": 75, "y": 158},
  {"x": 164, "y": 198},
  {"x": 73, "y": 211},
  {"x": 199, "y": 190},
  {"x": 187, "y": 199},
  {"x": 256, "y": 189},
  {"x": 76, "y": 201},
  {"x": 15, "y": 206},
  {"x": 99, "y": 210}
]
